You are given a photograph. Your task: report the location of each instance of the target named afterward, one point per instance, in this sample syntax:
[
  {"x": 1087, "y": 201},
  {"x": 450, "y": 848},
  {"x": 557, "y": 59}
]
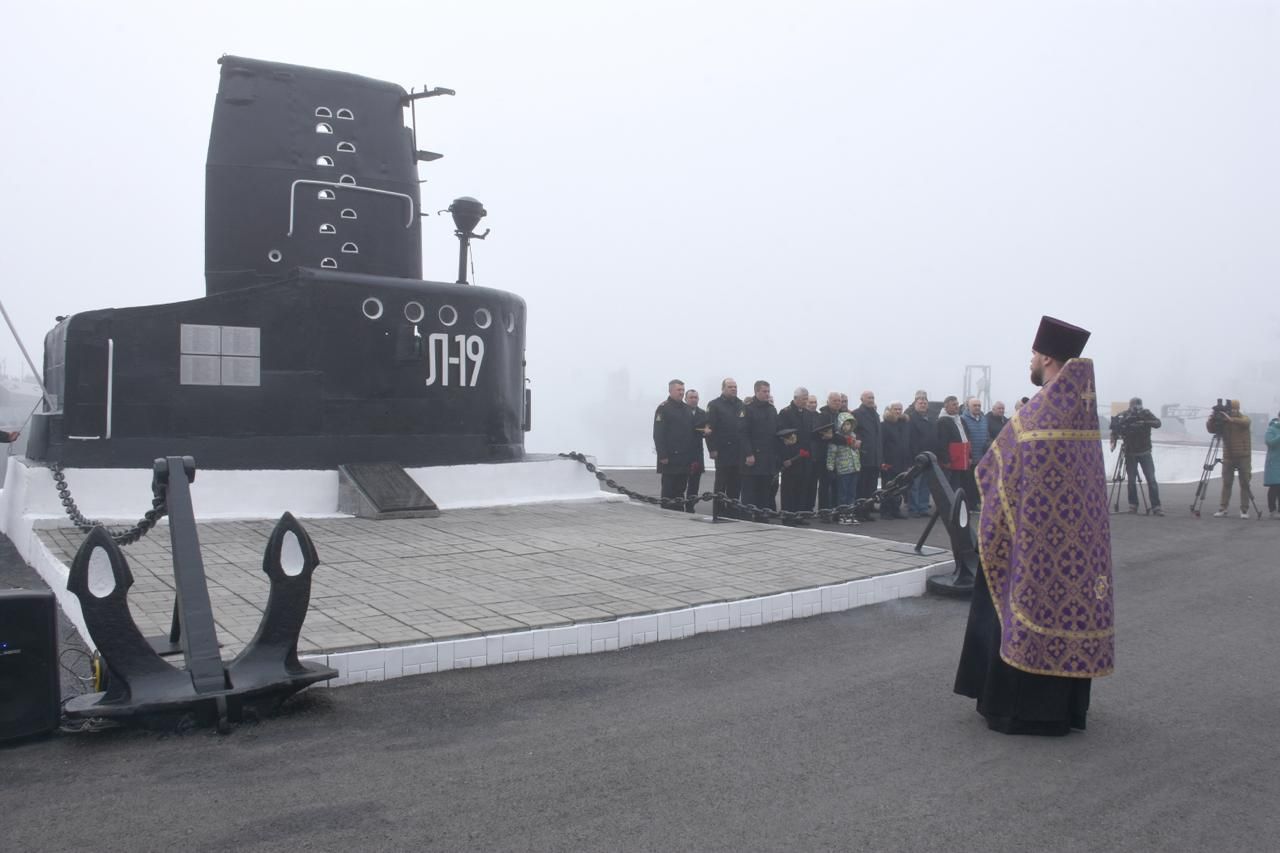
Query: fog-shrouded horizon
[{"x": 845, "y": 196}]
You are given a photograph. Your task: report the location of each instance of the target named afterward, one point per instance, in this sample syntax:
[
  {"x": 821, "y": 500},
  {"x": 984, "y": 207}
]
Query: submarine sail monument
[{"x": 317, "y": 343}]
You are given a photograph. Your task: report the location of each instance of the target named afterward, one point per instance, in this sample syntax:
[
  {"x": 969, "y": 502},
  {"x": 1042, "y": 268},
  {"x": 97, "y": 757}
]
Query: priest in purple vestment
[{"x": 1041, "y": 623}]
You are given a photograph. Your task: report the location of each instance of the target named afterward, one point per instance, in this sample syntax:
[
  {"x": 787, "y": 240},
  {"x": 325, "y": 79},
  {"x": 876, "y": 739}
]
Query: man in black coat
[
  {"x": 868, "y": 432},
  {"x": 699, "y": 465},
  {"x": 677, "y": 445},
  {"x": 951, "y": 432},
  {"x": 800, "y": 478},
  {"x": 995, "y": 421},
  {"x": 726, "y": 420},
  {"x": 922, "y": 437},
  {"x": 759, "y": 448}
]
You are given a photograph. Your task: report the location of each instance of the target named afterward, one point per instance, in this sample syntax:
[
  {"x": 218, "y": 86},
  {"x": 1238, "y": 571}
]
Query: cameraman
[
  {"x": 1133, "y": 426},
  {"x": 1237, "y": 452}
]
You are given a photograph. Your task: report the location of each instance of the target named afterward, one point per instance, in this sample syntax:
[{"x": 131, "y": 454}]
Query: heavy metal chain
[
  {"x": 126, "y": 536},
  {"x": 897, "y": 486}
]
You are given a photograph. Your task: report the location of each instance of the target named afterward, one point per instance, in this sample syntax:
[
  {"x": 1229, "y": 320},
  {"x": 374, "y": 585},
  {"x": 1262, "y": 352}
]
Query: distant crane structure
[{"x": 977, "y": 383}]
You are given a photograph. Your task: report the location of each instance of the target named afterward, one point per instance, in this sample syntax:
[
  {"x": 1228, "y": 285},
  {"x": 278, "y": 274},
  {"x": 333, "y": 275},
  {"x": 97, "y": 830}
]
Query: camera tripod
[
  {"x": 1118, "y": 479},
  {"x": 1211, "y": 460}
]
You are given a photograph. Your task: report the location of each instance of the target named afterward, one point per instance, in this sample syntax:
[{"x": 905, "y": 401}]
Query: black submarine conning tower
[
  {"x": 317, "y": 344},
  {"x": 308, "y": 168}
]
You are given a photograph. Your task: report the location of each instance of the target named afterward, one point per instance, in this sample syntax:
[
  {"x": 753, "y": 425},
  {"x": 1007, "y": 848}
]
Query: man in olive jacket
[{"x": 1237, "y": 454}]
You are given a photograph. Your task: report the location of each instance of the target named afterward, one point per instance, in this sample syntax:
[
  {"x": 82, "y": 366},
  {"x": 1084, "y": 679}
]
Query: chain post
[
  {"x": 126, "y": 536},
  {"x": 897, "y": 486}
]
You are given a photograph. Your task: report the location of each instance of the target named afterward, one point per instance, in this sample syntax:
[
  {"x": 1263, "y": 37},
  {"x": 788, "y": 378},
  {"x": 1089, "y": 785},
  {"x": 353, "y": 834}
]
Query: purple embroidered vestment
[{"x": 1045, "y": 532}]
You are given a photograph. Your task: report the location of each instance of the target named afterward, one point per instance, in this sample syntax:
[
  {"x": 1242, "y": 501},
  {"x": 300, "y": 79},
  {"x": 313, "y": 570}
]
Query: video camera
[
  {"x": 1122, "y": 423},
  {"x": 1222, "y": 408},
  {"x": 1126, "y": 423}
]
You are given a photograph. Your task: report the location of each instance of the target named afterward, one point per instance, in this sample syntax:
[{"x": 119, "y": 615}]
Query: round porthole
[
  {"x": 372, "y": 308},
  {"x": 511, "y": 322},
  {"x": 414, "y": 312},
  {"x": 274, "y": 256},
  {"x": 483, "y": 318},
  {"x": 448, "y": 315}
]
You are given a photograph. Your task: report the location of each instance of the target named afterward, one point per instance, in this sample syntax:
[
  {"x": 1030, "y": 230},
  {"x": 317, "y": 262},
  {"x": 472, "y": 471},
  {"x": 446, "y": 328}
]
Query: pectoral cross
[{"x": 1088, "y": 397}]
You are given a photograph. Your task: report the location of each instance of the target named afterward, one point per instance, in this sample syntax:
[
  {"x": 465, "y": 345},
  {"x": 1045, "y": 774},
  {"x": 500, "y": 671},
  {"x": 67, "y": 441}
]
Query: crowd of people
[{"x": 811, "y": 456}]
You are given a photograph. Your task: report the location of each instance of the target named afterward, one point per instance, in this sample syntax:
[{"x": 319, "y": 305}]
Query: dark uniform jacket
[
  {"x": 727, "y": 418},
  {"x": 922, "y": 434},
  {"x": 674, "y": 438},
  {"x": 803, "y": 422},
  {"x": 760, "y": 439},
  {"x": 868, "y": 431},
  {"x": 895, "y": 445}
]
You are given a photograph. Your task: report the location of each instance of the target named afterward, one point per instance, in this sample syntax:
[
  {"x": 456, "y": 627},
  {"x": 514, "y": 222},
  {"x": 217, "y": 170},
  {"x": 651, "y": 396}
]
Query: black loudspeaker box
[{"x": 30, "y": 700}]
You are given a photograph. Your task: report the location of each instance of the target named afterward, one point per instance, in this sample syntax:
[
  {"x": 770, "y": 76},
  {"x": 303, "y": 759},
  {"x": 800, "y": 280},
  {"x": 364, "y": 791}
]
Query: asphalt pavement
[{"x": 834, "y": 732}]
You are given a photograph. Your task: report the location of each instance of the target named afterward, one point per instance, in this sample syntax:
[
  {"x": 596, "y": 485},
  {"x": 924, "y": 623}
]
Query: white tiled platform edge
[{"x": 587, "y": 638}]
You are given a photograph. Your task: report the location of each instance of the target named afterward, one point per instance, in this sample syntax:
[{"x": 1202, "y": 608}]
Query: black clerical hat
[
  {"x": 821, "y": 428},
  {"x": 1059, "y": 340}
]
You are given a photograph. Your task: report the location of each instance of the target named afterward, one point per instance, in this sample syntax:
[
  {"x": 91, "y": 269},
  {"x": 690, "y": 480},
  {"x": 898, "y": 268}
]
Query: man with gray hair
[
  {"x": 868, "y": 432},
  {"x": 895, "y": 450},
  {"x": 799, "y": 479},
  {"x": 975, "y": 426}
]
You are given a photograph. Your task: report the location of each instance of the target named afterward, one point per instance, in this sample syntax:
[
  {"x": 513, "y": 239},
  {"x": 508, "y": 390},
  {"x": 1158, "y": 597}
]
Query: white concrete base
[
  {"x": 124, "y": 494},
  {"x": 382, "y": 664}
]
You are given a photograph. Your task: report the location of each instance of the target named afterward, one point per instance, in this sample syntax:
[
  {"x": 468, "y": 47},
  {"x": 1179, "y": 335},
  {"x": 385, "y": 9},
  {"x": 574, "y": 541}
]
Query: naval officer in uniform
[{"x": 677, "y": 444}]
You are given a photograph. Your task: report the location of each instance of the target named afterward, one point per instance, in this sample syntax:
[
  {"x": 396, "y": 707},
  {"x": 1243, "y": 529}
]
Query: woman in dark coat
[{"x": 895, "y": 455}]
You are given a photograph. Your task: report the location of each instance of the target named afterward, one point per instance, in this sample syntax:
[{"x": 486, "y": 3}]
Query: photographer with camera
[
  {"x": 1237, "y": 452},
  {"x": 1133, "y": 427}
]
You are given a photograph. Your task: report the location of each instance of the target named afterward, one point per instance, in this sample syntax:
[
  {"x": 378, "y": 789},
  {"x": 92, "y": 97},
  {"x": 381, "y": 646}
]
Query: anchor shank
[{"x": 199, "y": 636}]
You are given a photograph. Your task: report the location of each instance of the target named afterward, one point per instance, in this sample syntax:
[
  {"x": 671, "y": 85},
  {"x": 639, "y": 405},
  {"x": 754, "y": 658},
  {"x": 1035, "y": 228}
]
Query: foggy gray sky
[{"x": 843, "y": 195}]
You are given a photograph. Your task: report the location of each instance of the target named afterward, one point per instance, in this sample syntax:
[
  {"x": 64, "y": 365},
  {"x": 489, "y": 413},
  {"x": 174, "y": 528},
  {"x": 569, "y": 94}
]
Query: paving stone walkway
[{"x": 484, "y": 571}]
